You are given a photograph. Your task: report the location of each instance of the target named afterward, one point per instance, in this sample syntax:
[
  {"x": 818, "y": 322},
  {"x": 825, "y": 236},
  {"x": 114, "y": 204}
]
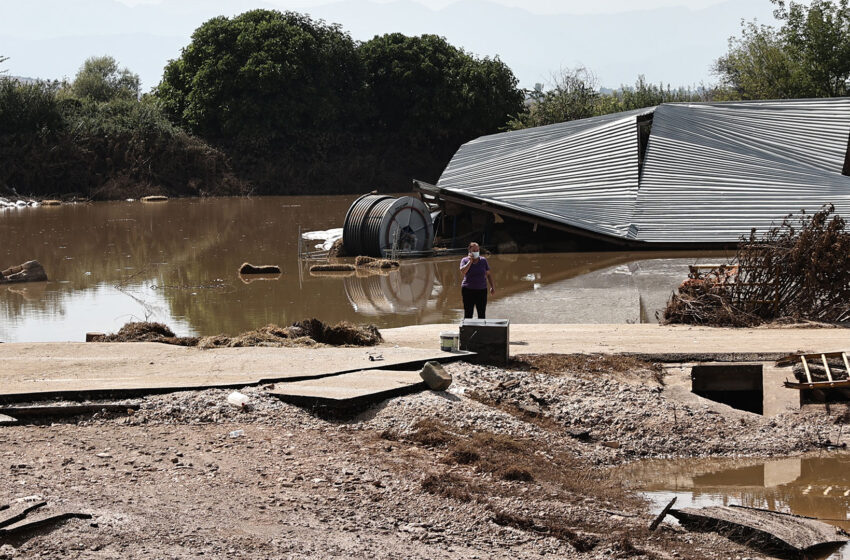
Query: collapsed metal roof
[{"x": 705, "y": 173}]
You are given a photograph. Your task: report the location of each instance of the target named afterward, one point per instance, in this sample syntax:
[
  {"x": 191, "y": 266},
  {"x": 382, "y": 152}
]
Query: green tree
[
  {"x": 808, "y": 56},
  {"x": 100, "y": 79},
  {"x": 2, "y": 60},
  {"x": 574, "y": 94},
  {"x": 29, "y": 108},
  {"x": 264, "y": 79},
  {"x": 818, "y": 38},
  {"x": 426, "y": 94}
]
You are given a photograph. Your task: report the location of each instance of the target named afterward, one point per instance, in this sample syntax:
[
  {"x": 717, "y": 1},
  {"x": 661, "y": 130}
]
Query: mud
[{"x": 430, "y": 475}]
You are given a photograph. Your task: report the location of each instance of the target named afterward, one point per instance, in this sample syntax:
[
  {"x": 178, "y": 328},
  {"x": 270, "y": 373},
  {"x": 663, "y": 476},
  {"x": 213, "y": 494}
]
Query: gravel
[{"x": 169, "y": 480}]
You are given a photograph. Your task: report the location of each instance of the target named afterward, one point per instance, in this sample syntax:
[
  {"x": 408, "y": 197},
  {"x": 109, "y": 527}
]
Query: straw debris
[
  {"x": 798, "y": 271},
  {"x": 248, "y": 268},
  {"x": 143, "y": 331},
  {"x": 337, "y": 250},
  {"x": 371, "y": 262},
  {"x": 339, "y": 267},
  {"x": 309, "y": 333}
]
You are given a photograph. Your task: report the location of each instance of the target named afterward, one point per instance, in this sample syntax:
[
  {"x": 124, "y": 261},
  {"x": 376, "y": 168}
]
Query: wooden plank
[
  {"x": 806, "y": 368},
  {"x": 48, "y": 411},
  {"x": 826, "y": 368},
  {"x": 37, "y": 522},
  {"x": 657, "y": 521},
  {"x": 764, "y": 528},
  {"x": 791, "y": 359},
  {"x": 17, "y": 512},
  {"x": 818, "y": 384},
  {"x": 846, "y": 364}
]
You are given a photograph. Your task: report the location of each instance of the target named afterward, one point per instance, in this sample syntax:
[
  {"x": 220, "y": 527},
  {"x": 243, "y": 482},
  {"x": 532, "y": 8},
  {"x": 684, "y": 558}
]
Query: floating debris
[
  {"x": 371, "y": 262},
  {"x": 248, "y": 268},
  {"x": 340, "y": 267},
  {"x": 30, "y": 271}
]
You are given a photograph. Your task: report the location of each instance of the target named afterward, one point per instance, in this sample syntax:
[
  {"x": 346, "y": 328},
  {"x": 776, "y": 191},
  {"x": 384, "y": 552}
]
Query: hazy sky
[
  {"x": 534, "y": 6},
  {"x": 669, "y": 41}
]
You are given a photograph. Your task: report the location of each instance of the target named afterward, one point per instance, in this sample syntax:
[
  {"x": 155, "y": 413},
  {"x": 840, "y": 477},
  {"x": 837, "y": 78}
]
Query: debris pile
[
  {"x": 30, "y": 271},
  {"x": 798, "y": 270},
  {"x": 360, "y": 263},
  {"x": 248, "y": 268},
  {"x": 341, "y": 334},
  {"x": 335, "y": 267},
  {"x": 371, "y": 262},
  {"x": 143, "y": 331},
  {"x": 337, "y": 250},
  {"x": 307, "y": 333}
]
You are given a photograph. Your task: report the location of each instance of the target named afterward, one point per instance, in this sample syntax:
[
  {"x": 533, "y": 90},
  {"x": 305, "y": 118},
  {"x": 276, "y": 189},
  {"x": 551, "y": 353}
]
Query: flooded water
[
  {"x": 176, "y": 262},
  {"x": 815, "y": 485}
]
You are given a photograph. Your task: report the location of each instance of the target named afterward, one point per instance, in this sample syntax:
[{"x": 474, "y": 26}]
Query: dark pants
[{"x": 473, "y": 299}]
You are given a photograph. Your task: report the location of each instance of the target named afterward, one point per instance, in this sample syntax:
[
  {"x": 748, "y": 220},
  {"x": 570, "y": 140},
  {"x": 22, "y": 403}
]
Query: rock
[
  {"x": 435, "y": 376},
  {"x": 529, "y": 408},
  {"x": 7, "y": 420},
  {"x": 30, "y": 271},
  {"x": 538, "y": 398},
  {"x": 7, "y": 552},
  {"x": 248, "y": 268}
]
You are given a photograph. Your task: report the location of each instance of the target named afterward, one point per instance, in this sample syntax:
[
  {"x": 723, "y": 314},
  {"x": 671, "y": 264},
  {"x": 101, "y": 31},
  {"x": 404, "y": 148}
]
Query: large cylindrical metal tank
[{"x": 376, "y": 224}]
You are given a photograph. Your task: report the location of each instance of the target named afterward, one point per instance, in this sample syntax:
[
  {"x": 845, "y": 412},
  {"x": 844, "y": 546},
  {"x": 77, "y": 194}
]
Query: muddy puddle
[
  {"x": 177, "y": 262},
  {"x": 812, "y": 485}
]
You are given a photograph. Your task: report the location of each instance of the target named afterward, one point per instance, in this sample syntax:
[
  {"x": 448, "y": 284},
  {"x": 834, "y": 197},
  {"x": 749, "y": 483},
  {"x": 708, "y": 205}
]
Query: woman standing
[{"x": 476, "y": 276}]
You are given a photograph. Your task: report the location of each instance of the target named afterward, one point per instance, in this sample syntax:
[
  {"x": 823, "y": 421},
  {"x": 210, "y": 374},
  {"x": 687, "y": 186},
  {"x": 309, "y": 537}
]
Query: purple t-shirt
[{"x": 476, "y": 276}]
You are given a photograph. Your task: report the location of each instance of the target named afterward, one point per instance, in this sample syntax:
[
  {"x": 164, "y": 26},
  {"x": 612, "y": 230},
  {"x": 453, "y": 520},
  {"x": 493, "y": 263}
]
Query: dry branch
[{"x": 798, "y": 270}]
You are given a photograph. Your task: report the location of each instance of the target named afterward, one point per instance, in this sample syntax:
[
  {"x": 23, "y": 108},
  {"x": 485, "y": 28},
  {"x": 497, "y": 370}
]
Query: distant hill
[{"x": 19, "y": 79}]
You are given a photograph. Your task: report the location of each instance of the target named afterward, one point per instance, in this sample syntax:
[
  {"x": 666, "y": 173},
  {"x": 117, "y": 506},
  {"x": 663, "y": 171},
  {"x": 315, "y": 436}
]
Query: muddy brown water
[
  {"x": 811, "y": 485},
  {"x": 177, "y": 262}
]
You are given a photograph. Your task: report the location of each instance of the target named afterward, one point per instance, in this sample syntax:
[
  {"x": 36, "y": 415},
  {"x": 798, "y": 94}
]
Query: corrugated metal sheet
[
  {"x": 714, "y": 171},
  {"x": 711, "y": 172},
  {"x": 582, "y": 173}
]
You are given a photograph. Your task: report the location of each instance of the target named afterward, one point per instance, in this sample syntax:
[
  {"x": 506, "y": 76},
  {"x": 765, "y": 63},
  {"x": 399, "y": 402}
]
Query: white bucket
[{"x": 448, "y": 341}]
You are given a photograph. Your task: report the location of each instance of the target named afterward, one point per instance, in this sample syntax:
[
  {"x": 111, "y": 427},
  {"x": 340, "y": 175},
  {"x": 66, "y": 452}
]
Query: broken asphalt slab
[
  {"x": 39, "y": 371},
  {"x": 776, "y": 530},
  {"x": 350, "y": 389}
]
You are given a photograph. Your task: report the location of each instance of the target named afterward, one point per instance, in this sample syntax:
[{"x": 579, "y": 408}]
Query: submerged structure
[{"x": 678, "y": 174}]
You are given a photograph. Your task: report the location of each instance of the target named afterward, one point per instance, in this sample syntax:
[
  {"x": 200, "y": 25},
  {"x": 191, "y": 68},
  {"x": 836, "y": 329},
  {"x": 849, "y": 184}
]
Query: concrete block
[
  {"x": 489, "y": 338},
  {"x": 435, "y": 376}
]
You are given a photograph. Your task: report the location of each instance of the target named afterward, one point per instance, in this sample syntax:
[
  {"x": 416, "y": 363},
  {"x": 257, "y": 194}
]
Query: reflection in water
[
  {"x": 407, "y": 291},
  {"x": 814, "y": 486},
  {"x": 177, "y": 263}
]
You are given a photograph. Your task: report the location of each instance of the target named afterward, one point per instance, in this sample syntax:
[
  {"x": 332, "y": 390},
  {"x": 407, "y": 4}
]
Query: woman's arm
[
  {"x": 491, "y": 282},
  {"x": 465, "y": 268}
]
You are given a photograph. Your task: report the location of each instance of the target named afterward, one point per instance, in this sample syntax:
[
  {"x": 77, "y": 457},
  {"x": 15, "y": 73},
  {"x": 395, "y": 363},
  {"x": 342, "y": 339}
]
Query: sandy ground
[
  {"x": 641, "y": 339},
  {"x": 72, "y": 366},
  {"x": 509, "y": 463}
]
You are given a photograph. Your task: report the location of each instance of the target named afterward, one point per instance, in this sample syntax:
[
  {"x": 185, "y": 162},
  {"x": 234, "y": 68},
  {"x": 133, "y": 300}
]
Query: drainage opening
[{"x": 736, "y": 385}]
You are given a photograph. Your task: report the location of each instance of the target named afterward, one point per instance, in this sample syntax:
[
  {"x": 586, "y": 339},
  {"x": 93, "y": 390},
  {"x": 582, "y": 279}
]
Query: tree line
[{"x": 277, "y": 103}]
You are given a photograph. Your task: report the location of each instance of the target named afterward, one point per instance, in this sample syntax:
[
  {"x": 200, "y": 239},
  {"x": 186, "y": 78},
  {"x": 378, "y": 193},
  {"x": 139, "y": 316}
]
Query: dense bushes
[
  {"x": 302, "y": 108},
  {"x": 53, "y": 143}
]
